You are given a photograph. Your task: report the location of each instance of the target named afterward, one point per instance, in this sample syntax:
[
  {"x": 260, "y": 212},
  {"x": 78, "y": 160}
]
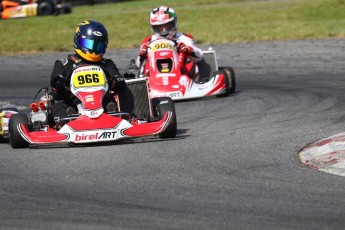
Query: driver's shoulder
[
  {"x": 70, "y": 59},
  {"x": 147, "y": 39},
  {"x": 180, "y": 35},
  {"x": 105, "y": 62}
]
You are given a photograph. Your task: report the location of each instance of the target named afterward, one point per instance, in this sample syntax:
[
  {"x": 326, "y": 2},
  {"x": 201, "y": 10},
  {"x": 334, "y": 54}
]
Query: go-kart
[
  {"x": 5, "y": 115},
  {"x": 38, "y": 8},
  {"x": 92, "y": 124},
  {"x": 169, "y": 74}
]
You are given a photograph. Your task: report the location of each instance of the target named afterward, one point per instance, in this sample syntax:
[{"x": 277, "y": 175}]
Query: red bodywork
[
  {"x": 92, "y": 124},
  {"x": 169, "y": 75}
]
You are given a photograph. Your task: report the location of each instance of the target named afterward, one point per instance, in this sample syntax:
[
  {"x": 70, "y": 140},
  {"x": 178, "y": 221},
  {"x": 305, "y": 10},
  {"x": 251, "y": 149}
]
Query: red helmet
[{"x": 163, "y": 21}]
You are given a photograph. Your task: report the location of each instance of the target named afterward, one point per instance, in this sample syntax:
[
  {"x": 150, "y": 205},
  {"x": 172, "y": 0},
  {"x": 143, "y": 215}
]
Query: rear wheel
[
  {"x": 45, "y": 8},
  {"x": 66, "y": 8},
  {"x": 231, "y": 77},
  {"x": 15, "y": 139},
  {"x": 160, "y": 106}
]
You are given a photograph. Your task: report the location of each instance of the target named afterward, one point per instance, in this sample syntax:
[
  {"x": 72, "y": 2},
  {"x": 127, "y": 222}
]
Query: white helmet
[{"x": 163, "y": 21}]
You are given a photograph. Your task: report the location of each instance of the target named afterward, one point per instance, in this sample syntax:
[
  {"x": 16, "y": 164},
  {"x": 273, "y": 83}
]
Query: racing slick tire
[
  {"x": 2, "y": 139},
  {"x": 66, "y": 8},
  {"x": 15, "y": 139},
  {"x": 160, "y": 106},
  {"x": 45, "y": 8},
  {"x": 231, "y": 77}
]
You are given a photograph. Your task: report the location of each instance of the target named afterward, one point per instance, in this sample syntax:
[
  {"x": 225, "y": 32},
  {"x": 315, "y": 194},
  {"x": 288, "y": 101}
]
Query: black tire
[
  {"x": 15, "y": 139},
  {"x": 160, "y": 106},
  {"x": 231, "y": 77},
  {"x": 45, "y": 8},
  {"x": 66, "y": 8}
]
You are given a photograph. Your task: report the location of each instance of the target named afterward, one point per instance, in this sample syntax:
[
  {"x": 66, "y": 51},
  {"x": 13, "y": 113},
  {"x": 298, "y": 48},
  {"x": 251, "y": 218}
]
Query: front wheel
[
  {"x": 160, "y": 106},
  {"x": 15, "y": 139}
]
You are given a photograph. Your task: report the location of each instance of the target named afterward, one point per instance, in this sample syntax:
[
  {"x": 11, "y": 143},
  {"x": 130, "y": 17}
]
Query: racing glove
[
  {"x": 143, "y": 50},
  {"x": 183, "y": 48},
  {"x": 58, "y": 82}
]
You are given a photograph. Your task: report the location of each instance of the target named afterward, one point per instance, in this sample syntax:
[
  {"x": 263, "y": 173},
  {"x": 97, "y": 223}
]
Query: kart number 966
[{"x": 88, "y": 79}]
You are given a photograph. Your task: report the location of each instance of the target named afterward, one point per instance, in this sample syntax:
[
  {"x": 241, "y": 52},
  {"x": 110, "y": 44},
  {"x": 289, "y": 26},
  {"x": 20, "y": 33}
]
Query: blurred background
[
  {"x": 90, "y": 2},
  {"x": 209, "y": 21}
]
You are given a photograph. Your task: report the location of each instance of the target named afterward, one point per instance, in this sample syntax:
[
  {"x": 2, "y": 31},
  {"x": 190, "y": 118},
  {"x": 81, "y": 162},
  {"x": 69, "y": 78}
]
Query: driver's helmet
[
  {"x": 90, "y": 40},
  {"x": 163, "y": 21}
]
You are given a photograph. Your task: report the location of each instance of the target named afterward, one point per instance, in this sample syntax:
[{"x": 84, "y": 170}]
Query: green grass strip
[{"x": 209, "y": 21}]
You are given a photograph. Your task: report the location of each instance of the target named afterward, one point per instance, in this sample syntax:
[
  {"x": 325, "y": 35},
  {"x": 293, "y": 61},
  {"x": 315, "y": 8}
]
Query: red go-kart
[
  {"x": 92, "y": 124},
  {"x": 168, "y": 74}
]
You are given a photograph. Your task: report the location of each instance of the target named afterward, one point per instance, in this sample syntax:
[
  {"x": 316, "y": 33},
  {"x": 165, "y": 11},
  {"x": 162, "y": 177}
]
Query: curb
[{"x": 327, "y": 155}]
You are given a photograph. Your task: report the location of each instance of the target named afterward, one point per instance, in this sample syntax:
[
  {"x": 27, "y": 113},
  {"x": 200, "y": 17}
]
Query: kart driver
[
  {"x": 163, "y": 21},
  {"x": 90, "y": 43}
]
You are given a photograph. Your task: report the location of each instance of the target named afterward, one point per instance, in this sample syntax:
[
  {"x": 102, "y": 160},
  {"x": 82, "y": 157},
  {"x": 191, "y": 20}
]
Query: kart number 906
[{"x": 162, "y": 45}]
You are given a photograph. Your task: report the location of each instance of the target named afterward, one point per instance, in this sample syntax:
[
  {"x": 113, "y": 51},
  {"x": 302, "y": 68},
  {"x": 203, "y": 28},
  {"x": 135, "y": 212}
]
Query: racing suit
[
  {"x": 185, "y": 43},
  {"x": 64, "y": 99}
]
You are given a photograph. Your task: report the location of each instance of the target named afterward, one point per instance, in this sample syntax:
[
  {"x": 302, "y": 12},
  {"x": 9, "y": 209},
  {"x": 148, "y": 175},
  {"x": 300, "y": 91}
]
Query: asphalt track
[{"x": 233, "y": 164}]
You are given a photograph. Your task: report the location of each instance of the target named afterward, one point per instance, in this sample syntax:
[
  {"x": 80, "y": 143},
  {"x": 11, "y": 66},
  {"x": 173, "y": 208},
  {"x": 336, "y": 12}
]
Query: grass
[{"x": 209, "y": 21}]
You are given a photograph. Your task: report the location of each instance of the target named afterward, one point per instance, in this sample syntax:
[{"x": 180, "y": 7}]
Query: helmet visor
[
  {"x": 95, "y": 46},
  {"x": 164, "y": 29}
]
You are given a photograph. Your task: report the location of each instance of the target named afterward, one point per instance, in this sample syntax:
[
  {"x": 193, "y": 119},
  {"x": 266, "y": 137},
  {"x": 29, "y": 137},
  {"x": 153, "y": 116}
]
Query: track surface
[{"x": 233, "y": 164}]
